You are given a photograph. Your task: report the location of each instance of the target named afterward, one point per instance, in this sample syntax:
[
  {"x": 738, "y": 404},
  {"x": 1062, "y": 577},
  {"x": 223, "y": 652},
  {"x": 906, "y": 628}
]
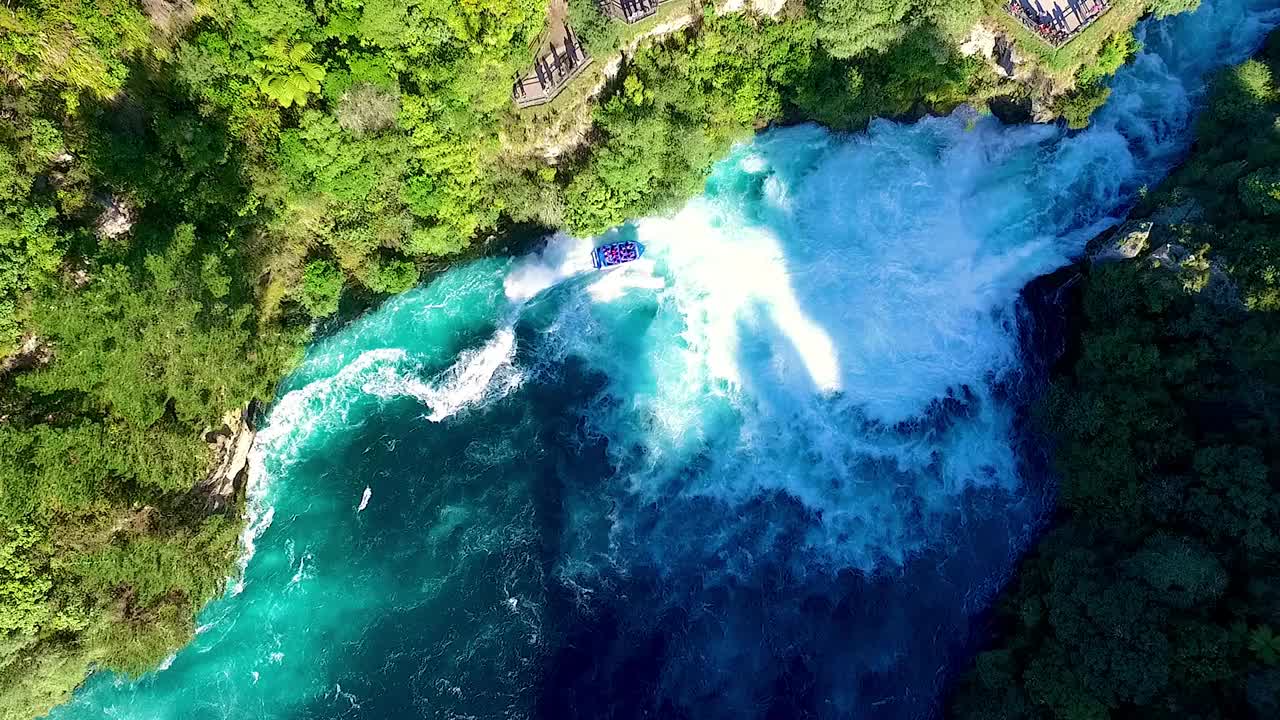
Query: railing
[
  {"x": 1055, "y": 31},
  {"x": 631, "y": 11},
  {"x": 553, "y": 69}
]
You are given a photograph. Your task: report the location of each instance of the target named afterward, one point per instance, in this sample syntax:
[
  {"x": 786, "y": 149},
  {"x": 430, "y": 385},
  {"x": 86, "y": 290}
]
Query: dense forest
[
  {"x": 1157, "y": 592},
  {"x": 188, "y": 188}
]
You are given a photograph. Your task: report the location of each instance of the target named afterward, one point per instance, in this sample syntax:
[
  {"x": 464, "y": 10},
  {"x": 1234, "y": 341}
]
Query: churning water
[{"x": 771, "y": 470}]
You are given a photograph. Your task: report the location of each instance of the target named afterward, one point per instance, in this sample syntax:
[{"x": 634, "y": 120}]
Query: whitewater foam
[
  {"x": 834, "y": 319},
  {"x": 767, "y": 470},
  {"x": 291, "y": 422},
  {"x": 479, "y": 376},
  {"x": 301, "y": 573},
  {"x": 561, "y": 258}
]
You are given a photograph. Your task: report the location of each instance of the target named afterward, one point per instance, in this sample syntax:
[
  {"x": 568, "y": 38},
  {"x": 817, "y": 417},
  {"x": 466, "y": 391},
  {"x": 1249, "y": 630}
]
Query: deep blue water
[{"x": 774, "y": 470}]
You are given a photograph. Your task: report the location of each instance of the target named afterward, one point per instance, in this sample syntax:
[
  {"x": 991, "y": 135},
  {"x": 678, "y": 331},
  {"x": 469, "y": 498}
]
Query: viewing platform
[
  {"x": 557, "y": 63},
  {"x": 1057, "y": 22},
  {"x": 630, "y": 11}
]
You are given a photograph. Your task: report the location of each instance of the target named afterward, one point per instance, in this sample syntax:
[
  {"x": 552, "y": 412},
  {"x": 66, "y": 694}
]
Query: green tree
[
  {"x": 321, "y": 288},
  {"x": 1265, "y": 645},
  {"x": 25, "y": 584},
  {"x": 140, "y": 342}
]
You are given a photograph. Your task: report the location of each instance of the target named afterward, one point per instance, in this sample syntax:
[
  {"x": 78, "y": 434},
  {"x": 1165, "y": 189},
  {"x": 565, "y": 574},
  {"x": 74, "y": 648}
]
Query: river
[{"x": 773, "y": 469}]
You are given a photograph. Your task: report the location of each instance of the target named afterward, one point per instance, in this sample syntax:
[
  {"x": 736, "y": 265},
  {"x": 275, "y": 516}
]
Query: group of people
[
  {"x": 619, "y": 253},
  {"x": 1054, "y": 28}
]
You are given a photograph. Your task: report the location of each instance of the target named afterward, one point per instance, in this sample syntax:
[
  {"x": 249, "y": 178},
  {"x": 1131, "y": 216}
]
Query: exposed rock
[
  {"x": 230, "y": 446},
  {"x": 169, "y": 17},
  {"x": 117, "y": 218},
  {"x": 77, "y": 271},
  {"x": 1169, "y": 256},
  {"x": 1005, "y": 56},
  {"x": 1053, "y": 304},
  {"x": 768, "y": 7},
  {"x": 1184, "y": 212},
  {"x": 1043, "y": 90},
  {"x": 993, "y": 46},
  {"x": 1011, "y": 110},
  {"x": 1199, "y": 274},
  {"x": 135, "y": 521},
  {"x": 1042, "y": 111},
  {"x": 981, "y": 41},
  {"x": 1128, "y": 242},
  {"x": 32, "y": 352},
  {"x": 80, "y": 277},
  {"x": 57, "y": 174}
]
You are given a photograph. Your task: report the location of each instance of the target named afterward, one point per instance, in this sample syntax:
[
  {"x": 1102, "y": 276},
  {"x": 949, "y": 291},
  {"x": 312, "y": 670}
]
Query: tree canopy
[
  {"x": 187, "y": 188},
  {"x": 1156, "y": 592}
]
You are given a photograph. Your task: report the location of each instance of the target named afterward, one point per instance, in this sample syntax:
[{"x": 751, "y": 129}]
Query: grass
[
  {"x": 1063, "y": 63},
  {"x": 533, "y": 130}
]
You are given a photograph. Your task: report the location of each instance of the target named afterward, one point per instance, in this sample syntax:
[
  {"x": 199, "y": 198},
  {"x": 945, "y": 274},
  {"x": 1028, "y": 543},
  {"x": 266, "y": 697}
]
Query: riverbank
[
  {"x": 1164, "y": 433},
  {"x": 518, "y": 422},
  {"x": 188, "y": 225}
]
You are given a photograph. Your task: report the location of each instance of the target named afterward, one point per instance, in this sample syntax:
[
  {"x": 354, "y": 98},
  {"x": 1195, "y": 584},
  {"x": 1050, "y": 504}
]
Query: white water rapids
[{"x": 772, "y": 470}]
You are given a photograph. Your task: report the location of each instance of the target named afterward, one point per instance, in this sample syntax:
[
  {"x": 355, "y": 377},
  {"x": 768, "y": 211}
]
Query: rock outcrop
[
  {"x": 995, "y": 47},
  {"x": 1154, "y": 242},
  {"x": 117, "y": 218},
  {"x": 169, "y": 17},
  {"x": 31, "y": 352},
  {"x": 1199, "y": 274},
  {"x": 1184, "y": 212},
  {"x": 1127, "y": 243},
  {"x": 230, "y": 446}
]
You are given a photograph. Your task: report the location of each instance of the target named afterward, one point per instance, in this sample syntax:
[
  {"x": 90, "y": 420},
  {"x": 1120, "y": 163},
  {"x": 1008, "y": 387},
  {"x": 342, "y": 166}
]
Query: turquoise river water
[{"x": 774, "y": 469}]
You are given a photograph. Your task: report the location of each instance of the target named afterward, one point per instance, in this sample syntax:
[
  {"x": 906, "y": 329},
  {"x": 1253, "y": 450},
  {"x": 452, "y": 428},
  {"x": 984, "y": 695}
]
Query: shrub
[{"x": 321, "y": 288}]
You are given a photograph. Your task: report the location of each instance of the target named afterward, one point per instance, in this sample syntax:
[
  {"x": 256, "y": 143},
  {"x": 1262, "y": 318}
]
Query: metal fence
[
  {"x": 553, "y": 69},
  {"x": 1056, "y": 30},
  {"x": 631, "y": 10}
]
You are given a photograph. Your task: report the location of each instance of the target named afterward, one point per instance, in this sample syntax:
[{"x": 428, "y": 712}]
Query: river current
[{"x": 774, "y": 469}]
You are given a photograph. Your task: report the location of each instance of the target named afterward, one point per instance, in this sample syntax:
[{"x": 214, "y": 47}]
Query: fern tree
[{"x": 287, "y": 76}]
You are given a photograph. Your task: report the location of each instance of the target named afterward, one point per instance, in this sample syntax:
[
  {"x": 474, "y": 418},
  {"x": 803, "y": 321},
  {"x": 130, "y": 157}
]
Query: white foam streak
[
  {"x": 290, "y": 423},
  {"x": 479, "y": 376},
  {"x": 617, "y": 282},
  {"x": 834, "y": 315},
  {"x": 562, "y": 257}
]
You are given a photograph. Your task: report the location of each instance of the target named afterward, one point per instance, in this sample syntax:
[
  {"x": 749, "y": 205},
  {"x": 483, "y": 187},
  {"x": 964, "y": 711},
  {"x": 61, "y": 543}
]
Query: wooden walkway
[
  {"x": 1057, "y": 22},
  {"x": 554, "y": 67}
]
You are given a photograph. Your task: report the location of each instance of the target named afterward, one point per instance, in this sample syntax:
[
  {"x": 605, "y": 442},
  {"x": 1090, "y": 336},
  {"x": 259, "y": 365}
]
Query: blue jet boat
[{"x": 616, "y": 254}]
